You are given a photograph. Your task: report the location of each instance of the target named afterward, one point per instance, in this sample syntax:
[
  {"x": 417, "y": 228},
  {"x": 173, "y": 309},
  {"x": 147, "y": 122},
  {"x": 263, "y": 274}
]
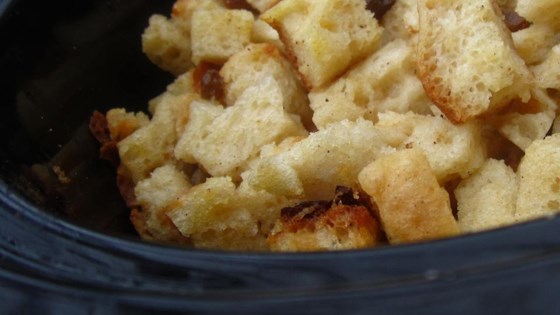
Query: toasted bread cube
[
  {"x": 262, "y": 5},
  {"x": 264, "y": 33},
  {"x": 540, "y": 12},
  {"x": 167, "y": 44},
  {"x": 316, "y": 229},
  {"x": 320, "y": 46},
  {"x": 547, "y": 73},
  {"x": 312, "y": 168},
  {"x": 223, "y": 141},
  {"x": 385, "y": 81},
  {"x": 412, "y": 206},
  {"x": 452, "y": 150},
  {"x": 218, "y": 215},
  {"x": 534, "y": 42},
  {"x": 401, "y": 21},
  {"x": 466, "y": 60},
  {"x": 218, "y": 34},
  {"x": 257, "y": 61},
  {"x": 152, "y": 145},
  {"x": 157, "y": 195},
  {"x": 181, "y": 87},
  {"x": 122, "y": 123},
  {"x": 532, "y": 122},
  {"x": 486, "y": 200},
  {"x": 539, "y": 179}
]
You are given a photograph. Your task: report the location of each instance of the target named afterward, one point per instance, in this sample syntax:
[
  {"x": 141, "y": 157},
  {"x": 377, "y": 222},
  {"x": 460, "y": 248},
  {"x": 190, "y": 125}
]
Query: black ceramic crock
[{"x": 66, "y": 246}]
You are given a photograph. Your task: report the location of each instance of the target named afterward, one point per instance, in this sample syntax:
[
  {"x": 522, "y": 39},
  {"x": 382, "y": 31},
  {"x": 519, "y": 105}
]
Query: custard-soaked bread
[
  {"x": 218, "y": 34},
  {"x": 219, "y": 215},
  {"x": 385, "y": 81},
  {"x": 466, "y": 59},
  {"x": 344, "y": 223},
  {"x": 253, "y": 64},
  {"x": 167, "y": 44},
  {"x": 534, "y": 42},
  {"x": 312, "y": 168},
  {"x": 540, "y": 12},
  {"x": 547, "y": 73},
  {"x": 412, "y": 206},
  {"x": 486, "y": 200},
  {"x": 157, "y": 195},
  {"x": 224, "y": 140},
  {"x": 452, "y": 150},
  {"x": 539, "y": 179},
  {"x": 324, "y": 38}
]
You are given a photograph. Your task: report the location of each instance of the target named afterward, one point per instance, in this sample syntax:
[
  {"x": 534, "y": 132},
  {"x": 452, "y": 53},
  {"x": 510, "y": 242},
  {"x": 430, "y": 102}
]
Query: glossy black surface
[{"x": 69, "y": 249}]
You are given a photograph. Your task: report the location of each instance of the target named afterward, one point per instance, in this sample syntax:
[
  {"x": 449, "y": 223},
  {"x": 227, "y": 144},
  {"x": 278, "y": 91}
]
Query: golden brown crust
[{"x": 344, "y": 223}]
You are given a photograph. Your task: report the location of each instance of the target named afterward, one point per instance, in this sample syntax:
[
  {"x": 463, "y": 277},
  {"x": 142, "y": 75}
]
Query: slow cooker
[{"x": 70, "y": 249}]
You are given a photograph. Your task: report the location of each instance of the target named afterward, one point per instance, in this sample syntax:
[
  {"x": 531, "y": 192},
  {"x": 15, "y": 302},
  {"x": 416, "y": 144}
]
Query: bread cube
[
  {"x": 467, "y": 62},
  {"x": 311, "y": 168},
  {"x": 253, "y": 64},
  {"x": 532, "y": 122},
  {"x": 540, "y": 12},
  {"x": 218, "y": 34},
  {"x": 412, "y": 206},
  {"x": 321, "y": 46},
  {"x": 223, "y": 141},
  {"x": 534, "y": 42},
  {"x": 539, "y": 179},
  {"x": 262, "y": 5},
  {"x": 157, "y": 194},
  {"x": 487, "y": 199},
  {"x": 401, "y": 21},
  {"x": 167, "y": 44},
  {"x": 122, "y": 123},
  {"x": 452, "y": 150},
  {"x": 325, "y": 225},
  {"x": 218, "y": 215},
  {"x": 385, "y": 81},
  {"x": 547, "y": 73},
  {"x": 152, "y": 145}
]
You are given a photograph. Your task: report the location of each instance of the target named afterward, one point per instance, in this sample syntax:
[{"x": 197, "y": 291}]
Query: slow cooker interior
[{"x": 60, "y": 61}]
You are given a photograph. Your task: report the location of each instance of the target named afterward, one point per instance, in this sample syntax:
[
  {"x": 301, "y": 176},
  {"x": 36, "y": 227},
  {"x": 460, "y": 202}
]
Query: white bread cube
[
  {"x": 412, "y": 206},
  {"x": 178, "y": 89},
  {"x": 223, "y": 141},
  {"x": 152, "y": 145},
  {"x": 385, "y": 81},
  {"x": 540, "y": 12},
  {"x": 218, "y": 215},
  {"x": 253, "y": 64},
  {"x": 539, "y": 179},
  {"x": 401, "y": 21},
  {"x": 311, "y": 169},
  {"x": 264, "y": 33},
  {"x": 167, "y": 44},
  {"x": 487, "y": 199},
  {"x": 336, "y": 228},
  {"x": 122, "y": 123},
  {"x": 452, "y": 150},
  {"x": 547, "y": 73},
  {"x": 528, "y": 125},
  {"x": 218, "y": 34},
  {"x": 262, "y": 5},
  {"x": 534, "y": 42},
  {"x": 466, "y": 60},
  {"x": 156, "y": 195},
  {"x": 320, "y": 45}
]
